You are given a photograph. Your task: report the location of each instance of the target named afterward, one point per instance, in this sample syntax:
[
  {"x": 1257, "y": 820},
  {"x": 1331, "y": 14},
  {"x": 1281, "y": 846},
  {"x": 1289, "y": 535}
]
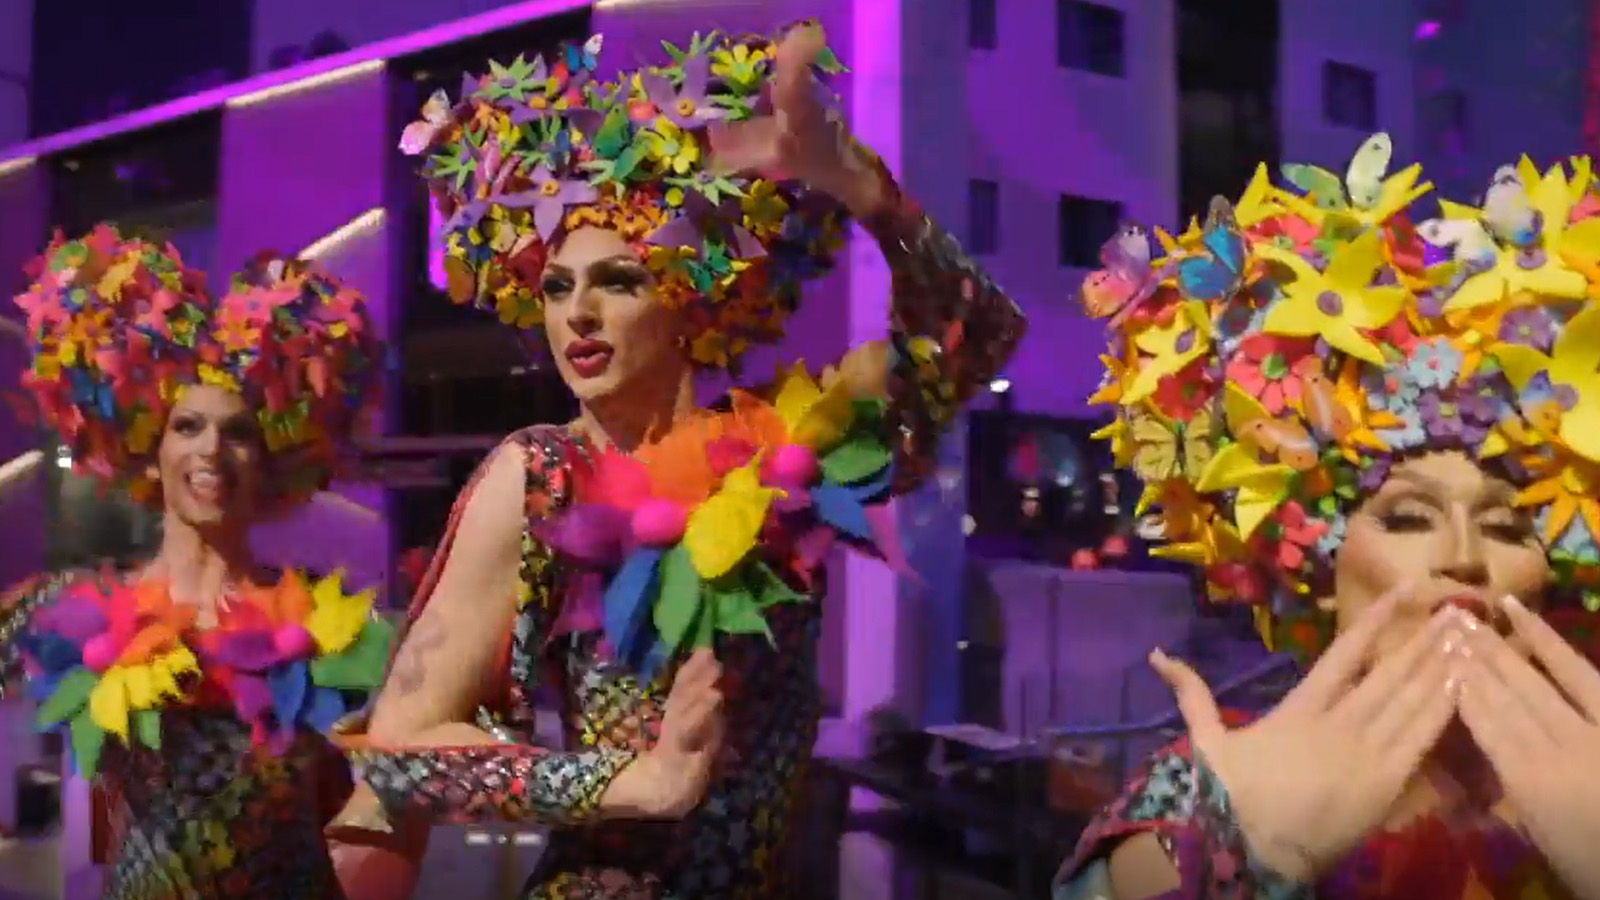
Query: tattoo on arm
[{"x": 410, "y": 666}]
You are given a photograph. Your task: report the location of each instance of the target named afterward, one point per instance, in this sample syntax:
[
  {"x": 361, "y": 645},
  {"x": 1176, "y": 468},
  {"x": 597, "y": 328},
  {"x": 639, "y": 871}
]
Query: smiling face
[
  {"x": 606, "y": 329},
  {"x": 1449, "y": 529},
  {"x": 210, "y": 459}
]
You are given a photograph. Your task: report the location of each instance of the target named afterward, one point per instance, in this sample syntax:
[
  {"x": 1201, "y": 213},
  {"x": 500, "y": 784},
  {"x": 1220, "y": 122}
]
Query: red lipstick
[{"x": 589, "y": 358}]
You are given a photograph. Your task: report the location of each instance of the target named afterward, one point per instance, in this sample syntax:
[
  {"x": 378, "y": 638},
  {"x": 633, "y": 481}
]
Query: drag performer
[
  {"x": 195, "y": 691},
  {"x": 1386, "y": 438},
  {"x": 654, "y": 567}
]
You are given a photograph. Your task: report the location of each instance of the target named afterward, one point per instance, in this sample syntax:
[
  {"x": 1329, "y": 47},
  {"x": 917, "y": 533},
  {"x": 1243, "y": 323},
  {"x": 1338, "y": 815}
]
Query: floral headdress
[
  {"x": 119, "y": 327},
  {"x": 535, "y": 149},
  {"x": 1276, "y": 361}
]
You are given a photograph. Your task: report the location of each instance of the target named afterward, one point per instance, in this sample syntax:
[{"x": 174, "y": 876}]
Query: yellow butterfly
[{"x": 1167, "y": 450}]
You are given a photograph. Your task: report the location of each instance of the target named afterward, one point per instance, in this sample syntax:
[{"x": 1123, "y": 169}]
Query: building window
[
  {"x": 981, "y": 24},
  {"x": 1085, "y": 224},
  {"x": 1444, "y": 119},
  {"x": 983, "y": 216},
  {"x": 1090, "y": 38},
  {"x": 1349, "y": 96}
]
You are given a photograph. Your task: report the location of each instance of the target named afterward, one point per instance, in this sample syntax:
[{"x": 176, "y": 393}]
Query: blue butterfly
[
  {"x": 91, "y": 394},
  {"x": 1216, "y": 271},
  {"x": 585, "y": 58}
]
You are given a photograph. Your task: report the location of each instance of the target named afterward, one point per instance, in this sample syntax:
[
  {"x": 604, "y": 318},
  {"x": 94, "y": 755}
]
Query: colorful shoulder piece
[{"x": 680, "y": 525}]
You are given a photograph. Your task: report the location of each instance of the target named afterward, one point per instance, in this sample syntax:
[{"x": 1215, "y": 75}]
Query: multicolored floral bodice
[
  {"x": 208, "y": 744},
  {"x": 1427, "y": 859},
  {"x": 951, "y": 331}
]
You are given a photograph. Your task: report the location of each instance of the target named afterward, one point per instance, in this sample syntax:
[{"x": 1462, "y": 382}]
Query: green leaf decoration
[
  {"x": 628, "y": 161},
  {"x": 359, "y": 667},
  {"x": 737, "y": 107},
  {"x": 147, "y": 728},
  {"x": 828, "y": 62},
  {"x": 861, "y": 456},
  {"x": 678, "y": 601},
  {"x": 769, "y": 589},
  {"x": 613, "y": 135},
  {"x": 88, "y": 739},
  {"x": 736, "y": 612},
  {"x": 70, "y": 697},
  {"x": 674, "y": 51},
  {"x": 869, "y": 412}
]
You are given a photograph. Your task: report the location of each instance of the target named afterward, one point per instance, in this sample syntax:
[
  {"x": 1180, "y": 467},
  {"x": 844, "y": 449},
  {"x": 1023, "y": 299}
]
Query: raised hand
[
  {"x": 1539, "y": 731},
  {"x": 1311, "y": 779}
]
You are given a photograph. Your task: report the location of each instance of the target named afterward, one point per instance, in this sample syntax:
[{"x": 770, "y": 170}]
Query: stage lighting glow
[
  {"x": 16, "y": 165},
  {"x": 305, "y": 84},
  {"x": 376, "y": 53}
]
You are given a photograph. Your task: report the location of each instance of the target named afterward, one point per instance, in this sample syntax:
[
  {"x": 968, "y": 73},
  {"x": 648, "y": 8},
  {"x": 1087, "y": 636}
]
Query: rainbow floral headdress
[
  {"x": 1272, "y": 365},
  {"x": 537, "y": 148},
  {"x": 119, "y": 327}
]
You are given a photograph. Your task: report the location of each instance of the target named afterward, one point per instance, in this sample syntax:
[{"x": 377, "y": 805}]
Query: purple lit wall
[
  {"x": 296, "y": 167},
  {"x": 24, "y": 510},
  {"x": 281, "y": 23}
]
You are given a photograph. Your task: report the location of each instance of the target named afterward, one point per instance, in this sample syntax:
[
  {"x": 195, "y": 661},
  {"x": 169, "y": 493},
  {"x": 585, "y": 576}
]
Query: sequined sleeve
[
  {"x": 951, "y": 329},
  {"x": 1186, "y": 808},
  {"x": 18, "y": 605},
  {"x": 517, "y": 781}
]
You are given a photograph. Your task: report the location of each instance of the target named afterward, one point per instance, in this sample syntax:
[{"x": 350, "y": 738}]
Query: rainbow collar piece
[
  {"x": 108, "y": 655},
  {"x": 701, "y": 530},
  {"x": 1271, "y": 366}
]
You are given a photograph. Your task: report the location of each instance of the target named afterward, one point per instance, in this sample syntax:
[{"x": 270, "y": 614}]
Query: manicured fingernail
[
  {"x": 1512, "y": 604},
  {"x": 1454, "y": 642}
]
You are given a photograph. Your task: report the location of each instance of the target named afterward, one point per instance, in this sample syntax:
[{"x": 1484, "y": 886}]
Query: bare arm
[{"x": 424, "y": 759}]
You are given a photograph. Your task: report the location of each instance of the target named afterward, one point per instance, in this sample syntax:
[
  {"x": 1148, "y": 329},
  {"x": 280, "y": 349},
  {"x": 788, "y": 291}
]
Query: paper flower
[
  {"x": 549, "y": 198},
  {"x": 108, "y": 656},
  {"x": 676, "y": 526},
  {"x": 1337, "y": 303},
  {"x": 1535, "y": 268},
  {"x": 295, "y": 656}
]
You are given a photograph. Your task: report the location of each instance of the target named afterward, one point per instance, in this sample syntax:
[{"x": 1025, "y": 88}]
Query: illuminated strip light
[
  {"x": 215, "y": 98},
  {"x": 436, "y": 273},
  {"x": 361, "y": 224},
  {"x": 305, "y": 84},
  {"x": 16, "y": 164}
]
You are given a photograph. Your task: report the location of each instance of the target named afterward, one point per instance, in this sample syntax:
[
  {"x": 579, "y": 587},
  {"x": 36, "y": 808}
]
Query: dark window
[
  {"x": 1444, "y": 122},
  {"x": 1349, "y": 96},
  {"x": 983, "y": 216},
  {"x": 1090, "y": 38},
  {"x": 1085, "y": 224},
  {"x": 981, "y": 24}
]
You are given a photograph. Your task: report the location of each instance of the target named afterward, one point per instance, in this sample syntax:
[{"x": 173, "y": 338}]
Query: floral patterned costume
[
  {"x": 732, "y": 845},
  {"x": 1427, "y": 859},
  {"x": 203, "y": 806}
]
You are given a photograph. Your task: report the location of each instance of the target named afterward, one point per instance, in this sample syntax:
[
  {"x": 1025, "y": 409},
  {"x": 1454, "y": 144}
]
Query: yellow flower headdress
[{"x": 1270, "y": 368}]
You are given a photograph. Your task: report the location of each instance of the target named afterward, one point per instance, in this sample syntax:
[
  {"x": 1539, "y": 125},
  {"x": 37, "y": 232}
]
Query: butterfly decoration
[
  {"x": 421, "y": 134},
  {"x": 585, "y": 59},
  {"x": 1507, "y": 212},
  {"x": 1282, "y": 440},
  {"x": 1126, "y": 278},
  {"x": 1168, "y": 451},
  {"x": 1362, "y": 185},
  {"x": 1215, "y": 270}
]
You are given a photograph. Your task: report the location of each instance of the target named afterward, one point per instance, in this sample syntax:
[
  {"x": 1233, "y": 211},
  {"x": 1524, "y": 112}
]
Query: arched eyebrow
[{"x": 1493, "y": 493}]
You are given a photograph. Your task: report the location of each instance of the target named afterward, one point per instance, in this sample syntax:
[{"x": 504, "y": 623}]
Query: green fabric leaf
[
  {"x": 359, "y": 667},
  {"x": 736, "y": 612},
  {"x": 88, "y": 739},
  {"x": 705, "y": 624},
  {"x": 70, "y": 697},
  {"x": 861, "y": 455},
  {"x": 147, "y": 728},
  {"x": 612, "y": 136},
  {"x": 828, "y": 61},
  {"x": 769, "y": 589},
  {"x": 678, "y": 600}
]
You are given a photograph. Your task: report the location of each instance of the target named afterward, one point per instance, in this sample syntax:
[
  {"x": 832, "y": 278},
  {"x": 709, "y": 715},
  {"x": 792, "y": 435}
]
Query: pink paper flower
[{"x": 1271, "y": 368}]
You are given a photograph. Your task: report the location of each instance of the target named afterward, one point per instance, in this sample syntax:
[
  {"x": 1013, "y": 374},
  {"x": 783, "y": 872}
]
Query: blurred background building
[{"x": 1030, "y": 127}]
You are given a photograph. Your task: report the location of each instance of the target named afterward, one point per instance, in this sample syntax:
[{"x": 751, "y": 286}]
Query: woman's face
[
  {"x": 1448, "y": 529},
  {"x": 605, "y": 328},
  {"x": 209, "y": 460}
]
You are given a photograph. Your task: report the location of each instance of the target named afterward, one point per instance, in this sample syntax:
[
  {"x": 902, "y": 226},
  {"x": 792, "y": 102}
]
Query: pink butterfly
[
  {"x": 420, "y": 135},
  {"x": 1126, "y": 278}
]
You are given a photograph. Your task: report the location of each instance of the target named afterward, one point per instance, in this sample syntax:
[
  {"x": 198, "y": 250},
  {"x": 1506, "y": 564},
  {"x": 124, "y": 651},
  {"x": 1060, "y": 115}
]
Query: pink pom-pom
[
  {"x": 659, "y": 523},
  {"x": 793, "y": 465},
  {"x": 293, "y": 642},
  {"x": 100, "y": 652}
]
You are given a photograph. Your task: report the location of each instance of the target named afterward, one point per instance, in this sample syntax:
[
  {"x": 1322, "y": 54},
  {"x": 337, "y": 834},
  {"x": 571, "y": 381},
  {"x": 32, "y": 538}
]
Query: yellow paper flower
[
  {"x": 1539, "y": 271},
  {"x": 723, "y": 530},
  {"x": 1571, "y": 488},
  {"x": 814, "y": 416},
  {"x": 1258, "y": 202},
  {"x": 671, "y": 148},
  {"x": 1261, "y": 487},
  {"x": 1574, "y": 361},
  {"x": 1171, "y": 347},
  {"x": 1334, "y": 303},
  {"x": 123, "y": 690},
  {"x": 337, "y": 618}
]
